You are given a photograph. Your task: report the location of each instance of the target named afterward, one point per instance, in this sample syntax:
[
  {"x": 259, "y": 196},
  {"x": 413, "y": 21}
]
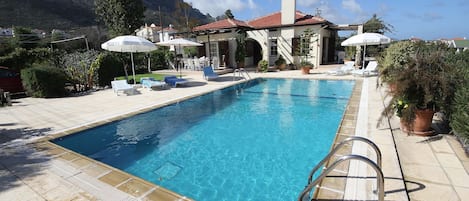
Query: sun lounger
[
  {"x": 345, "y": 69},
  {"x": 370, "y": 70},
  {"x": 209, "y": 74},
  {"x": 174, "y": 81},
  {"x": 151, "y": 83},
  {"x": 122, "y": 86}
]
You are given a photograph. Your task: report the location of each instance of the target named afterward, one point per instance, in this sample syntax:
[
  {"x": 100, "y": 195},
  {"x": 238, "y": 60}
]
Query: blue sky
[{"x": 425, "y": 19}]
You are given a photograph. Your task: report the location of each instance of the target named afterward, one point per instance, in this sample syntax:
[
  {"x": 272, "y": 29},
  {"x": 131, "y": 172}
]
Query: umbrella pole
[
  {"x": 133, "y": 66},
  {"x": 180, "y": 73},
  {"x": 364, "y": 53}
]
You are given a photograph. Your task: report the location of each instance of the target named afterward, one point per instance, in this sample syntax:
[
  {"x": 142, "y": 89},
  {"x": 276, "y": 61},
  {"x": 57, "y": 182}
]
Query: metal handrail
[
  {"x": 379, "y": 175},
  {"x": 240, "y": 72},
  {"x": 340, "y": 145}
]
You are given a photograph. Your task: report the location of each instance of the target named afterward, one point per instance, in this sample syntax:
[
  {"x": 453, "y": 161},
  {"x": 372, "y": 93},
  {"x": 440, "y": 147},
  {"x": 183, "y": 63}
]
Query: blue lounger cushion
[{"x": 174, "y": 81}]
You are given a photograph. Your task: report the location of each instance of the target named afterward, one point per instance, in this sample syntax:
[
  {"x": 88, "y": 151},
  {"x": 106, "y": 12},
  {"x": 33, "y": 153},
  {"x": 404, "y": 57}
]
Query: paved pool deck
[{"x": 415, "y": 168}]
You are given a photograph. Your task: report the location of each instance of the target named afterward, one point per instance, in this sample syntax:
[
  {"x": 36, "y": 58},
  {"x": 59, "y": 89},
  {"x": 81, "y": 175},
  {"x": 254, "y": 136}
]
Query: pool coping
[
  {"x": 333, "y": 187},
  {"x": 140, "y": 188}
]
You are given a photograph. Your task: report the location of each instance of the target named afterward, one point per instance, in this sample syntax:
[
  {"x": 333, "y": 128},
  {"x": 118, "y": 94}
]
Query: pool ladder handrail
[
  {"x": 241, "y": 73},
  {"x": 376, "y": 166}
]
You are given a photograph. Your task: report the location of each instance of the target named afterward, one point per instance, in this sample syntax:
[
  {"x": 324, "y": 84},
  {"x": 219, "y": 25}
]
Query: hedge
[{"x": 44, "y": 82}]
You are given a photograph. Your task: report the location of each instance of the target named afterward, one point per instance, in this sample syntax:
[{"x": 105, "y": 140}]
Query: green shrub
[
  {"x": 263, "y": 65},
  {"x": 111, "y": 66},
  {"x": 44, "y": 82},
  {"x": 21, "y": 58},
  {"x": 393, "y": 60},
  {"x": 158, "y": 59},
  {"x": 459, "y": 115}
]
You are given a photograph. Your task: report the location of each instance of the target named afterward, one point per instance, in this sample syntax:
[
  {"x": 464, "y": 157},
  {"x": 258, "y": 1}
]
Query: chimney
[{"x": 288, "y": 12}]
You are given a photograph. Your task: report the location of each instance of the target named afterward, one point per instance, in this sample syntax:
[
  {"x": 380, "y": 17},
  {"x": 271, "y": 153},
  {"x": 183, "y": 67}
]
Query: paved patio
[{"x": 415, "y": 168}]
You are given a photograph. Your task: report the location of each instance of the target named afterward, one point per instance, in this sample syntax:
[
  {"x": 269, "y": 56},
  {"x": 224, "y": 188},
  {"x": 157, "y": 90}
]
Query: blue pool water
[{"x": 255, "y": 143}]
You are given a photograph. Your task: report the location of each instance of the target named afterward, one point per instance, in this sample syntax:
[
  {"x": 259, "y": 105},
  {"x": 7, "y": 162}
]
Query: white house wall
[
  {"x": 262, "y": 37},
  {"x": 230, "y": 37},
  {"x": 284, "y": 42}
]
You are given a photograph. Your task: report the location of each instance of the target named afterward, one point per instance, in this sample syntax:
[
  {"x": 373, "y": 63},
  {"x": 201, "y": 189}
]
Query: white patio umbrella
[
  {"x": 180, "y": 42},
  {"x": 132, "y": 44},
  {"x": 366, "y": 39}
]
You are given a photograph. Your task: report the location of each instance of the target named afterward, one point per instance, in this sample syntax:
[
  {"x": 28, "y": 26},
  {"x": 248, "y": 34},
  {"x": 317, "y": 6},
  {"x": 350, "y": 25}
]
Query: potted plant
[
  {"x": 305, "y": 50},
  {"x": 281, "y": 63},
  {"x": 424, "y": 86},
  {"x": 306, "y": 66},
  {"x": 262, "y": 66}
]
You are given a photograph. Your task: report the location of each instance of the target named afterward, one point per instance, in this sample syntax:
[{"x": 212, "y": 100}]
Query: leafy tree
[
  {"x": 228, "y": 14},
  {"x": 377, "y": 25},
  {"x": 121, "y": 17},
  {"x": 240, "y": 52},
  {"x": 81, "y": 68},
  {"x": 25, "y": 38}
]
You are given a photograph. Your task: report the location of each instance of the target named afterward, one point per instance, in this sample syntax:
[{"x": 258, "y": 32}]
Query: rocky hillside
[{"x": 68, "y": 14}]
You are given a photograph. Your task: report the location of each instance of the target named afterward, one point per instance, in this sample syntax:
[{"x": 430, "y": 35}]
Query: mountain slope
[{"x": 68, "y": 14}]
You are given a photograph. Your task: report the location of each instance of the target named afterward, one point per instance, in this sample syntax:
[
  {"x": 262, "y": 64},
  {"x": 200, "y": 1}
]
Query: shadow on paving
[
  {"x": 19, "y": 162},
  {"x": 9, "y": 135}
]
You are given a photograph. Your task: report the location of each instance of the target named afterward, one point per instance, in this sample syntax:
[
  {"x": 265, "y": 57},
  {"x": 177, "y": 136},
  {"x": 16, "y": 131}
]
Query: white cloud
[
  {"x": 217, "y": 7},
  {"x": 352, "y": 6},
  {"x": 252, "y": 5}
]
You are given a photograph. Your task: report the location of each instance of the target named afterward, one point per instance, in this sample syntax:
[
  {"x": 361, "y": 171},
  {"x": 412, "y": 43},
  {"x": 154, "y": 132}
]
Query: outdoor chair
[
  {"x": 370, "y": 70},
  {"x": 174, "y": 81},
  {"x": 152, "y": 84},
  {"x": 345, "y": 69},
  {"x": 122, "y": 86},
  {"x": 209, "y": 74},
  {"x": 215, "y": 63}
]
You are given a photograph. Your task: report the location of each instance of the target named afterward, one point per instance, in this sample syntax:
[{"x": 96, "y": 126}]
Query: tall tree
[
  {"x": 229, "y": 14},
  {"x": 377, "y": 25},
  {"x": 121, "y": 17}
]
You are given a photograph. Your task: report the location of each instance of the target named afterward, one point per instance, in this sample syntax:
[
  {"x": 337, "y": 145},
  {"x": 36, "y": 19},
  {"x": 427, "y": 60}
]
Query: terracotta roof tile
[
  {"x": 221, "y": 24},
  {"x": 274, "y": 20}
]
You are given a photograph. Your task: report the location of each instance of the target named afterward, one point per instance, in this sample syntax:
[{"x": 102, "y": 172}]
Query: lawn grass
[{"x": 138, "y": 76}]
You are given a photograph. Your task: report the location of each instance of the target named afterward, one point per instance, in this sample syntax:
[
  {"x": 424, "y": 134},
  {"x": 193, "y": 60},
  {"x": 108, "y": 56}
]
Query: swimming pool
[{"x": 258, "y": 142}]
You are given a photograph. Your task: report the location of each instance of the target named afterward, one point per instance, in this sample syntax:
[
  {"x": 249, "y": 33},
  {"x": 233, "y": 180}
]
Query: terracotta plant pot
[
  {"x": 421, "y": 125},
  {"x": 282, "y": 67},
  {"x": 305, "y": 70}
]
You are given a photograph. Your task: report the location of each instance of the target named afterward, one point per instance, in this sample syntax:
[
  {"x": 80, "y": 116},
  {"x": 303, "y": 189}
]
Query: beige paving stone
[
  {"x": 441, "y": 146},
  {"x": 162, "y": 195},
  {"x": 462, "y": 192},
  {"x": 394, "y": 189},
  {"x": 81, "y": 163},
  {"x": 414, "y": 153},
  {"x": 68, "y": 193},
  {"x": 428, "y": 191},
  {"x": 69, "y": 156},
  {"x": 13, "y": 189},
  {"x": 448, "y": 160},
  {"x": 45, "y": 182},
  {"x": 458, "y": 177},
  {"x": 114, "y": 178},
  {"x": 425, "y": 174},
  {"x": 457, "y": 148},
  {"x": 96, "y": 170},
  {"x": 135, "y": 187}
]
